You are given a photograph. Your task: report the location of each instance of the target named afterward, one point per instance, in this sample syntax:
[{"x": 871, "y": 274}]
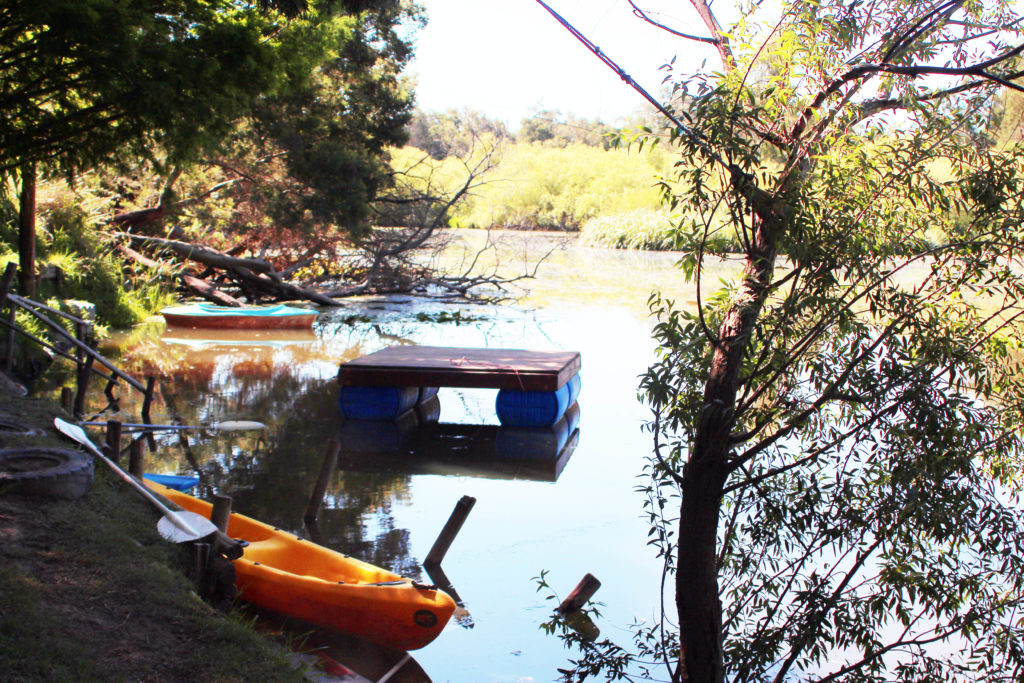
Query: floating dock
[{"x": 535, "y": 387}]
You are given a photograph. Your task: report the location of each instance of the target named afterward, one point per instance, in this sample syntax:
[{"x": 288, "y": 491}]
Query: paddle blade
[
  {"x": 238, "y": 425},
  {"x": 74, "y": 432},
  {"x": 200, "y": 527}
]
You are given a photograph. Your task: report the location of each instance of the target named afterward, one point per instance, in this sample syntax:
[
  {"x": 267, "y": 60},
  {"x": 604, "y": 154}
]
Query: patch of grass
[
  {"x": 354, "y": 319},
  {"x": 23, "y": 623},
  {"x": 641, "y": 229},
  {"x": 89, "y": 591},
  {"x": 458, "y": 317}
]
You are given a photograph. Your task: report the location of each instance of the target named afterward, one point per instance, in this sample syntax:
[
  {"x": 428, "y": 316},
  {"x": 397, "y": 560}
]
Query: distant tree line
[{"x": 452, "y": 132}]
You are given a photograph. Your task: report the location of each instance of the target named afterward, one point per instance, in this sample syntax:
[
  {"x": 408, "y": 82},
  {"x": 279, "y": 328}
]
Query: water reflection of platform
[
  {"x": 207, "y": 338},
  {"x": 414, "y": 445}
]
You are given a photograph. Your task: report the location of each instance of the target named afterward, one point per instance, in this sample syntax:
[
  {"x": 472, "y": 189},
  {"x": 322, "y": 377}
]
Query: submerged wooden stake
[
  {"x": 450, "y": 530},
  {"x": 320, "y": 488},
  {"x": 583, "y": 591}
]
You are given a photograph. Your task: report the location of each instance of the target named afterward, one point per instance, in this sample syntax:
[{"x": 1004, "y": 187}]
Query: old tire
[
  {"x": 15, "y": 427},
  {"x": 44, "y": 471}
]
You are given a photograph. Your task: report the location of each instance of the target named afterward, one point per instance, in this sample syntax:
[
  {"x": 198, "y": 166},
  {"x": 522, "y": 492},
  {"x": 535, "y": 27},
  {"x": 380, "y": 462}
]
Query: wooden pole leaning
[{"x": 450, "y": 530}]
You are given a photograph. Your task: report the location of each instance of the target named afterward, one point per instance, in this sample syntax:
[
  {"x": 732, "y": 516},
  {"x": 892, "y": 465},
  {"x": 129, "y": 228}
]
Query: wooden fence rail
[{"x": 85, "y": 357}]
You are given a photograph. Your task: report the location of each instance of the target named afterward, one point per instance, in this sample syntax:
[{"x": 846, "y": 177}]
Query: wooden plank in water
[{"x": 442, "y": 366}]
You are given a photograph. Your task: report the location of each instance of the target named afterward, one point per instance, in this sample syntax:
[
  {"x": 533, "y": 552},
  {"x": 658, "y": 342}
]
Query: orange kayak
[{"x": 298, "y": 578}]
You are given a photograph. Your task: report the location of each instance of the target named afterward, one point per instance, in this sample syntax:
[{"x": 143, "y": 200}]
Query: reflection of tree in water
[
  {"x": 271, "y": 474},
  {"x": 275, "y": 484}
]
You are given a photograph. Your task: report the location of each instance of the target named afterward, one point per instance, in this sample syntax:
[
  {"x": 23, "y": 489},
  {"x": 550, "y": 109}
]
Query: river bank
[{"x": 89, "y": 591}]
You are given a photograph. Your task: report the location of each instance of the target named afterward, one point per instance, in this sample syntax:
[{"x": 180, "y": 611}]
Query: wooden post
[
  {"x": 320, "y": 488},
  {"x": 220, "y": 576},
  {"x": 84, "y": 373},
  {"x": 114, "y": 440},
  {"x": 9, "y": 353},
  {"x": 136, "y": 458},
  {"x": 221, "y": 512},
  {"x": 67, "y": 399},
  {"x": 583, "y": 591},
  {"x": 82, "y": 335},
  {"x": 8, "y": 277},
  {"x": 27, "y": 231},
  {"x": 200, "y": 560},
  {"x": 5, "y": 287},
  {"x": 228, "y": 547},
  {"x": 450, "y": 530}
]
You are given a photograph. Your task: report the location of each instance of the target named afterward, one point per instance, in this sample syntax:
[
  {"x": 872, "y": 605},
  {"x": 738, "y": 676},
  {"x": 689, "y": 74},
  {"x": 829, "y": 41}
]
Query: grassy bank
[{"x": 90, "y": 592}]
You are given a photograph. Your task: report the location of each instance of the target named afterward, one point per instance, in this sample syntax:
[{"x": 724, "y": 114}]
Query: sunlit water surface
[{"x": 566, "y": 513}]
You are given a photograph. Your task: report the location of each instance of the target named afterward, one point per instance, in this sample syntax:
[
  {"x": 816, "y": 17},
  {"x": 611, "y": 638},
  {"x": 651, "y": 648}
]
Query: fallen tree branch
[
  {"x": 208, "y": 291},
  {"x": 198, "y": 285},
  {"x": 205, "y": 255},
  {"x": 254, "y": 276}
]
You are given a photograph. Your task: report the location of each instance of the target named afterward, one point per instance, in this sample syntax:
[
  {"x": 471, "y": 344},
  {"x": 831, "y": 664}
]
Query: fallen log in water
[{"x": 254, "y": 275}]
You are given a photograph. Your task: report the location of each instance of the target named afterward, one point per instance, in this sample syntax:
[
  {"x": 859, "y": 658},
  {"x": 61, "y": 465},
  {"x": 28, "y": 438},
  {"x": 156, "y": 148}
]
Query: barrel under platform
[{"x": 535, "y": 388}]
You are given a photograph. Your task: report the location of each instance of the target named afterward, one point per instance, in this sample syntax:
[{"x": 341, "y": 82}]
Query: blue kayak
[{"x": 178, "y": 482}]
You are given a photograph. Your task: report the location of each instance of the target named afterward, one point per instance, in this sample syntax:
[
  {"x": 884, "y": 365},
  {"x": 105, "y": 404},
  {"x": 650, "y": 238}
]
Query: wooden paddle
[
  {"x": 225, "y": 426},
  {"x": 177, "y": 526}
]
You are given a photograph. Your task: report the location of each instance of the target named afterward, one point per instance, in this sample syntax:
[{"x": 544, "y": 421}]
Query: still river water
[{"x": 568, "y": 513}]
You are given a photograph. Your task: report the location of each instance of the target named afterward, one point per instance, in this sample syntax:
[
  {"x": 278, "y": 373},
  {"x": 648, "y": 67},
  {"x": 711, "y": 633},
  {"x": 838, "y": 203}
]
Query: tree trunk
[
  {"x": 27, "y": 232},
  {"x": 697, "y": 601},
  {"x": 708, "y": 468}
]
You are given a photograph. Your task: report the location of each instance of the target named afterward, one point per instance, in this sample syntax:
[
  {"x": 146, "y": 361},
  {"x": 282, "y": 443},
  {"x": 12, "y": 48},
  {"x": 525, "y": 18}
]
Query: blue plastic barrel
[
  {"x": 376, "y": 403},
  {"x": 536, "y": 408}
]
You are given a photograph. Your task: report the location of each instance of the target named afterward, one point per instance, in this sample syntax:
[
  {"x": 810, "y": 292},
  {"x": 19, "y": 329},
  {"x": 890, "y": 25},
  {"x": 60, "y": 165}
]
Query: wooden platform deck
[{"x": 442, "y": 366}]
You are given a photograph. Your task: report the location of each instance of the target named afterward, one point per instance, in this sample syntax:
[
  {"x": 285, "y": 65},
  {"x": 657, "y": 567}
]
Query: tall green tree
[
  {"x": 87, "y": 80},
  {"x": 94, "y": 81},
  {"x": 838, "y": 432}
]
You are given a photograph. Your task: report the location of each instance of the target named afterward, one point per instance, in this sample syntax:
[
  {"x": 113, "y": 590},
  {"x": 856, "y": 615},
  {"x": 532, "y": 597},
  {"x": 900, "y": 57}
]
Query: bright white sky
[{"x": 502, "y": 57}]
